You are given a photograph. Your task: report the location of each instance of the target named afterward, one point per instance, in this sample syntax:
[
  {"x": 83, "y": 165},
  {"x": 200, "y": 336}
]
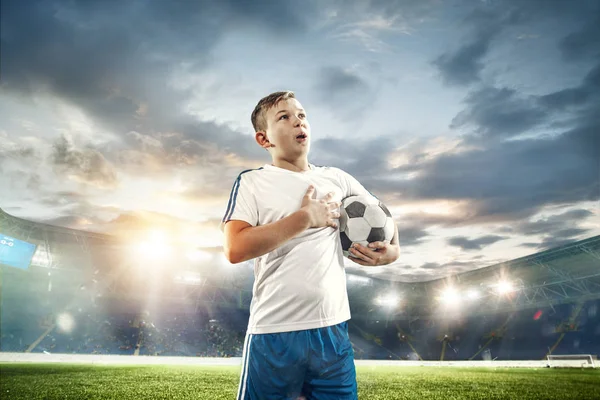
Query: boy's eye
[{"x": 283, "y": 116}]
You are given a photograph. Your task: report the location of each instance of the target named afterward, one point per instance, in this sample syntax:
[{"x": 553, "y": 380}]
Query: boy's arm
[{"x": 244, "y": 242}]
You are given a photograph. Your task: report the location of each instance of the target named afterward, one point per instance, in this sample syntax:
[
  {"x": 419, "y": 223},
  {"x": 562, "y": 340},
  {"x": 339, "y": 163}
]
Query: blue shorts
[{"x": 314, "y": 363}]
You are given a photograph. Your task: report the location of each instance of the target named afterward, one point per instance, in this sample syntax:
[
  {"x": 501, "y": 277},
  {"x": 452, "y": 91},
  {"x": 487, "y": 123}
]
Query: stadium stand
[{"x": 82, "y": 294}]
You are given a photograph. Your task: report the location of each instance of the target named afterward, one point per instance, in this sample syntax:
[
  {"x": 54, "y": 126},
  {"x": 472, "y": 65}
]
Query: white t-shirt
[{"x": 302, "y": 284}]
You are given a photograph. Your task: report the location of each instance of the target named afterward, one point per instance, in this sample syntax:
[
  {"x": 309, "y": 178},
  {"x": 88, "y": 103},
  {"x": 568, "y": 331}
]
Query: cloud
[
  {"x": 362, "y": 158},
  {"x": 557, "y": 239},
  {"x": 430, "y": 265},
  {"x": 63, "y": 198},
  {"x": 574, "y": 98},
  {"x": 474, "y": 244},
  {"x": 113, "y": 59},
  {"x": 367, "y": 32},
  {"x": 496, "y": 180},
  {"x": 484, "y": 22},
  {"x": 463, "y": 66},
  {"x": 411, "y": 235},
  {"x": 555, "y": 230},
  {"x": 132, "y": 72},
  {"x": 83, "y": 165},
  {"x": 553, "y": 224},
  {"x": 344, "y": 91},
  {"x": 487, "y": 21},
  {"x": 499, "y": 112},
  {"x": 373, "y": 24},
  {"x": 339, "y": 82},
  {"x": 513, "y": 179},
  {"x": 584, "y": 42}
]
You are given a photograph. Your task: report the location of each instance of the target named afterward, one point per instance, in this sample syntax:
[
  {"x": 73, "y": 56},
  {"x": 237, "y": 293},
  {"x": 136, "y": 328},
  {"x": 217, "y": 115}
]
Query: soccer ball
[{"x": 363, "y": 220}]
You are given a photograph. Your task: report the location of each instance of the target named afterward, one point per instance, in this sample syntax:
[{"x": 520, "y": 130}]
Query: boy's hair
[{"x": 259, "y": 120}]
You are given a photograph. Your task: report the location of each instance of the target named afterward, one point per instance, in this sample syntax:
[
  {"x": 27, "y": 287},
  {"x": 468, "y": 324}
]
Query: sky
[{"x": 475, "y": 122}]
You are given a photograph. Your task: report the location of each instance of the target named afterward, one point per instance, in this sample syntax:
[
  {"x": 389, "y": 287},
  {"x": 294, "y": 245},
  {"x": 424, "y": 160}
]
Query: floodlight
[
  {"x": 65, "y": 322},
  {"x": 450, "y": 296},
  {"x": 473, "y": 294},
  {"x": 155, "y": 247},
  {"x": 504, "y": 287}
]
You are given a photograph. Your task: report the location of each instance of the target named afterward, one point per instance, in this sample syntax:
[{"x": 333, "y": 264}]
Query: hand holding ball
[{"x": 364, "y": 220}]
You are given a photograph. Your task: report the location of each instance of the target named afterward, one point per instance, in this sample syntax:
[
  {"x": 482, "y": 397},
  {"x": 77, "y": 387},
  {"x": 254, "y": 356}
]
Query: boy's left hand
[{"x": 377, "y": 253}]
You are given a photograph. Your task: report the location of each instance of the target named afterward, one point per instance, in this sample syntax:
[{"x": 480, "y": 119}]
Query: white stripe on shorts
[{"x": 244, "y": 378}]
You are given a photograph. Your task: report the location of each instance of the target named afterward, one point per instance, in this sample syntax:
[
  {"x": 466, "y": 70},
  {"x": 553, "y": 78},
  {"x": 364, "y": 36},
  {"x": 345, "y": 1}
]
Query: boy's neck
[{"x": 295, "y": 166}]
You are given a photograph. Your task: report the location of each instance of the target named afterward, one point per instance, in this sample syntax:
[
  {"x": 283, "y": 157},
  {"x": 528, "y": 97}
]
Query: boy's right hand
[{"x": 322, "y": 212}]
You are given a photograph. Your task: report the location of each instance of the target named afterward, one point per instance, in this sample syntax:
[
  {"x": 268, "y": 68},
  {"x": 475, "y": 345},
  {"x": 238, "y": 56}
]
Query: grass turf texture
[{"x": 81, "y": 381}]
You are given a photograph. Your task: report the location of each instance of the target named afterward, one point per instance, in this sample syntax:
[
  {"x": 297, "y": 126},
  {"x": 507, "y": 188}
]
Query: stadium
[{"x": 153, "y": 320}]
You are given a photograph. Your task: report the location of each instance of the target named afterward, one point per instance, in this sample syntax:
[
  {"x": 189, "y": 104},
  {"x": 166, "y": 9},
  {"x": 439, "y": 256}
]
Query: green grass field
[{"x": 81, "y": 381}]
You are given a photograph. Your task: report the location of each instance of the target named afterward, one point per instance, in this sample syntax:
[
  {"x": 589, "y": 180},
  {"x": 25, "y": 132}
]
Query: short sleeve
[
  {"x": 242, "y": 203},
  {"x": 351, "y": 185}
]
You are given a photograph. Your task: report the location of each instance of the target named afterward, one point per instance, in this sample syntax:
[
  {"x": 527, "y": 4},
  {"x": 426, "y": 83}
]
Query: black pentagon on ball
[
  {"x": 385, "y": 209},
  {"x": 346, "y": 242},
  {"x": 356, "y": 210},
  {"x": 376, "y": 235}
]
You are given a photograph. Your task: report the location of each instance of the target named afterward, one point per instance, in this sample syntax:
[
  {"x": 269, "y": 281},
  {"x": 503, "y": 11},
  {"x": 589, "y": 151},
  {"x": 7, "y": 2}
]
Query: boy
[{"x": 284, "y": 215}]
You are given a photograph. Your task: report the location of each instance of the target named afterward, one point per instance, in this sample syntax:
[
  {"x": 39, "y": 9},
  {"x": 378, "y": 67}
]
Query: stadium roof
[{"x": 561, "y": 274}]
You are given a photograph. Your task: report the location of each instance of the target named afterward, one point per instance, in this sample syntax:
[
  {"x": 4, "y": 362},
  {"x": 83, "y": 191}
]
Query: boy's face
[{"x": 288, "y": 131}]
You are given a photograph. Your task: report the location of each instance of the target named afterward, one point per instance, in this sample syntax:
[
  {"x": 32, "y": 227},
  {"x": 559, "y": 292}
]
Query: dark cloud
[
  {"x": 346, "y": 92},
  {"x": 555, "y": 230},
  {"x": 85, "y": 165},
  {"x": 474, "y": 244},
  {"x": 554, "y": 224},
  {"x": 411, "y": 235},
  {"x": 486, "y": 21},
  {"x": 363, "y": 159},
  {"x": 463, "y": 66},
  {"x": 557, "y": 238},
  {"x": 584, "y": 42},
  {"x": 337, "y": 81},
  {"x": 499, "y": 112},
  {"x": 514, "y": 179},
  {"x": 112, "y": 59},
  {"x": 572, "y": 99},
  {"x": 501, "y": 180}
]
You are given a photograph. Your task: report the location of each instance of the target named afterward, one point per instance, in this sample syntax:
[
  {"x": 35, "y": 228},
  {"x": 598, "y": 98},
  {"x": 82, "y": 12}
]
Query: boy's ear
[{"x": 262, "y": 140}]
